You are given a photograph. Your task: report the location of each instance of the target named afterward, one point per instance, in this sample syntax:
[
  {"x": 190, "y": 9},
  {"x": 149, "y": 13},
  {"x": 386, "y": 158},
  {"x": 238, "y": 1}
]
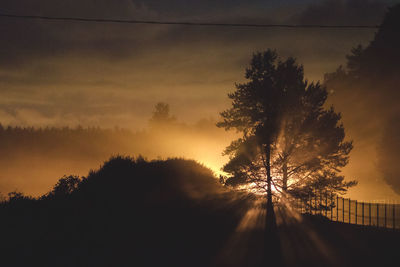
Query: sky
[
  {"x": 98, "y": 74},
  {"x": 111, "y": 74}
]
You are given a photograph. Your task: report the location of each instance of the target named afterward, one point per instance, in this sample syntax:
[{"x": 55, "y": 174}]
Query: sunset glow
[{"x": 199, "y": 133}]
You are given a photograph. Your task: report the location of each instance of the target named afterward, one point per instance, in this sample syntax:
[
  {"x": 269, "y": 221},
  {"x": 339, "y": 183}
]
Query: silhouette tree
[
  {"x": 310, "y": 149},
  {"x": 161, "y": 115},
  {"x": 65, "y": 186},
  {"x": 256, "y": 111},
  {"x": 371, "y": 78},
  {"x": 123, "y": 205},
  {"x": 18, "y": 199},
  {"x": 16, "y": 196},
  {"x": 290, "y": 142}
]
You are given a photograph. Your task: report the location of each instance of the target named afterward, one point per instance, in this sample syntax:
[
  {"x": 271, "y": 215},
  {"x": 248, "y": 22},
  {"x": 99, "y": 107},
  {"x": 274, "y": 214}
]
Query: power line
[{"x": 187, "y": 23}]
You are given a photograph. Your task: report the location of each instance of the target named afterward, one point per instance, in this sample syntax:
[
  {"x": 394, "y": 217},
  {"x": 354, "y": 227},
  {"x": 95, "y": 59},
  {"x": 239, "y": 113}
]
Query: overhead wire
[{"x": 188, "y": 23}]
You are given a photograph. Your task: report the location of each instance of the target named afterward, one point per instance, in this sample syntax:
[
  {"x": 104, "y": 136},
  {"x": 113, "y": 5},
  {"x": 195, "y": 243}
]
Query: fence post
[
  {"x": 362, "y": 205},
  {"x": 326, "y": 204},
  {"x": 394, "y": 220},
  {"x": 377, "y": 214},
  {"x": 320, "y": 203},
  {"x": 299, "y": 205},
  {"x": 349, "y": 210},
  {"x": 355, "y": 216},
  {"x": 385, "y": 214},
  {"x": 343, "y": 209},
  {"x": 331, "y": 206},
  {"x": 369, "y": 204},
  {"x": 337, "y": 208},
  {"x": 315, "y": 203}
]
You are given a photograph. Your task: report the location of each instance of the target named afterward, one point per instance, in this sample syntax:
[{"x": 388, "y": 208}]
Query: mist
[
  {"x": 366, "y": 92},
  {"x": 60, "y": 73},
  {"x": 33, "y": 159},
  {"x": 57, "y": 74}
]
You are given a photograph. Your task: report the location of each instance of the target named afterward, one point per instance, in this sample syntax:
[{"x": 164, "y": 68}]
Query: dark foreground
[
  {"x": 173, "y": 213},
  {"x": 319, "y": 242}
]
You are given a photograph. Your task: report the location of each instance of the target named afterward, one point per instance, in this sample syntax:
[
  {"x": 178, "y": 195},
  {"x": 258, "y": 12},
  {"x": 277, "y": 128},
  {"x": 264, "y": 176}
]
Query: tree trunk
[
  {"x": 272, "y": 242},
  {"x": 270, "y": 220},
  {"x": 285, "y": 176}
]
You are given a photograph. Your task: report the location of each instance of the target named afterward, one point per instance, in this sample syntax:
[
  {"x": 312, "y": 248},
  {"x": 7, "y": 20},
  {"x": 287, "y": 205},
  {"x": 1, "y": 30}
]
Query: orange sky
[{"x": 57, "y": 73}]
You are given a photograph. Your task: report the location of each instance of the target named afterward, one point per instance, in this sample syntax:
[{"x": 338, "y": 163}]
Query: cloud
[
  {"x": 96, "y": 74},
  {"x": 190, "y": 67},
  {"x": 342, "y": 12}
]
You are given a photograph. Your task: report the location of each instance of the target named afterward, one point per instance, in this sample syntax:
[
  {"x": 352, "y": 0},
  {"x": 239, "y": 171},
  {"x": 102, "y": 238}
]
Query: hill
[
  {"x": 31, "y": 159},
  {"x": 133, "y": 212},
  {"x": 127, "y": 213}
]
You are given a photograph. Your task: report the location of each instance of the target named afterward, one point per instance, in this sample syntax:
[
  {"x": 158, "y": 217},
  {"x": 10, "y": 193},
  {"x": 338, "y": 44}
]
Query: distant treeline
[
  {"x": 74, "y": 142},
  {"x": 87, "y": 139},
  {"x": 94, "y": 142},
  {"x": 32, "y": 159}
]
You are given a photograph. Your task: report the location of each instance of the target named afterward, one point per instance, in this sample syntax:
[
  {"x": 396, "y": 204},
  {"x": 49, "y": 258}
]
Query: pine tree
[{"x": 291, "y": 145}]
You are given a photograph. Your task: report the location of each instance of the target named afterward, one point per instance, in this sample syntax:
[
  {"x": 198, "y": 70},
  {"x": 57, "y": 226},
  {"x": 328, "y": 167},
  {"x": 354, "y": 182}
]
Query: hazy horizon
[{"x": 111, "y": 75}]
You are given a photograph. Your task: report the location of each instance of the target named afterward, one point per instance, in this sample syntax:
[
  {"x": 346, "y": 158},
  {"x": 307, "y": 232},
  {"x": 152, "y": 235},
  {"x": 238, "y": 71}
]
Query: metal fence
[{"x": 386, "y": 215}]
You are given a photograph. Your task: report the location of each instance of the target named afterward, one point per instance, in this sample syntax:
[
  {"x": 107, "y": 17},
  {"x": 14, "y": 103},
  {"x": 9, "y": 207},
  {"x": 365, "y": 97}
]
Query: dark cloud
[
  {"x": 146, "y": 63},
  {"x": 343, "y": 12},
  {"x": 32, "y": 40},
  {"x": 196, "y": 63}
]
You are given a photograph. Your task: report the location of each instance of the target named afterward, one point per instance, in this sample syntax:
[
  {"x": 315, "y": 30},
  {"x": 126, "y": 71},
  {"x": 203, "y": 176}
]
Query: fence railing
[{"x": 386, "y": 215}]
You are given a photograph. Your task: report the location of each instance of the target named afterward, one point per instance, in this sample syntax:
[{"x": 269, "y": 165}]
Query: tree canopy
[
  {"x": 161, "y": 115},
  {"x": 371, "y": 79},
  {"x": 290, "y": 142}
]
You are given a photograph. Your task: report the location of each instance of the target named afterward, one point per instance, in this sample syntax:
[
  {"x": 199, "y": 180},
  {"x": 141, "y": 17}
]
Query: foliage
[
  {"x": 65, "y": 186},
  {"x": 161, "y": 115},
  {"x": 16, "y": 196},
  {"x": 371, "y": 80},
  {"x": 122, "y": 215},
  {"x": 278, "y": 109},
  {"x": 17, "y": 200}
]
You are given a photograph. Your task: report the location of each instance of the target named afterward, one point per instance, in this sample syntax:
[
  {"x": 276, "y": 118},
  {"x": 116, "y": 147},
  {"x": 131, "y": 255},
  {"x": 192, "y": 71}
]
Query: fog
[
  {"x": 33, "y": 159},
  {"x": 97, "y": 74},
  {"x": 61, "y": 74},
  {"x": 366, "y": 92}
]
